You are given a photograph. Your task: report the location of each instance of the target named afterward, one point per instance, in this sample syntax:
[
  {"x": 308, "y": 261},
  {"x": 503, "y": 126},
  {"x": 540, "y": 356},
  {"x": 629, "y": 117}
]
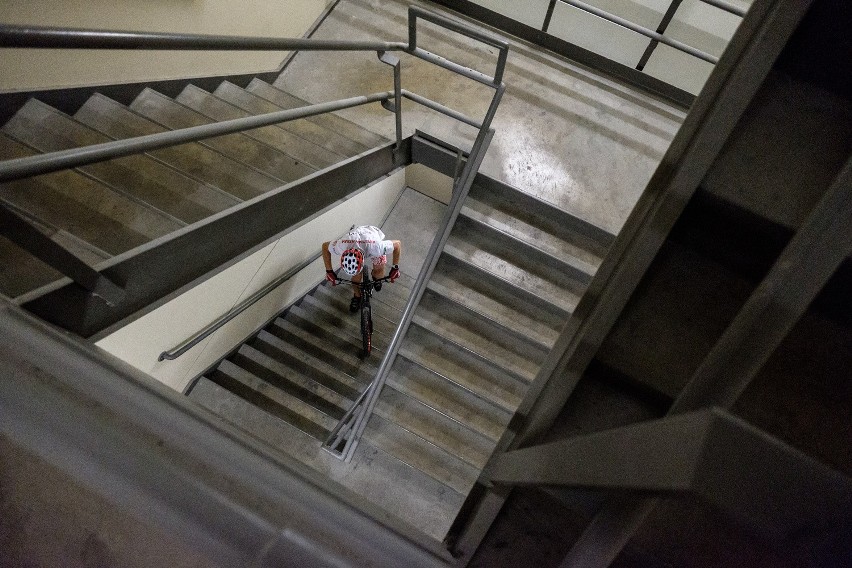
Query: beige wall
[
  {"x": 142, "y": 341},
  {"x": 24, "y": 70}
]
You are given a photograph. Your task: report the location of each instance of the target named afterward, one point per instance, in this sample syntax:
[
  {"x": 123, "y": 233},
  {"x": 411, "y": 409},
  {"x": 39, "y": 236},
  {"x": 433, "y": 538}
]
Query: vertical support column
[
  {"x": 396, "y": 107},
  {"x": 664, "y": 23}
]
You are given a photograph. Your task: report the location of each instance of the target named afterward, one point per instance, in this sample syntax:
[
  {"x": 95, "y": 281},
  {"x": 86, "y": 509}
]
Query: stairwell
[
  {"x": 102, "y": 210},
  {"x": 507, "y": 280}
]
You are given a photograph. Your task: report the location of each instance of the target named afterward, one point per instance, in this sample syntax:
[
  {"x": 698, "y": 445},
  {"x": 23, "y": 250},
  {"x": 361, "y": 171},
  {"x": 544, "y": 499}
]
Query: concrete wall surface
[
  {"x": 141, "y": 342},
  {"x": 33, "y": 69}
]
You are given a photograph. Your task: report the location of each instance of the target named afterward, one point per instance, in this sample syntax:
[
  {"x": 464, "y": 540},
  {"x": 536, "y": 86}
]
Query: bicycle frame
[{"x": 366, "y": 286}]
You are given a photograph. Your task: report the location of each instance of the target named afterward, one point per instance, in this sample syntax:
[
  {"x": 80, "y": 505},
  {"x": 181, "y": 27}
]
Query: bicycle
[{"x": 366, "y": 286}]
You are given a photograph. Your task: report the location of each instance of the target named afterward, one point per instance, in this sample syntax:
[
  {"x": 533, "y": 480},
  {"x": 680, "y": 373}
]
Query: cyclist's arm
[
  {"x": 397, "y": 250},
  {"x": 326, "y": 256}
]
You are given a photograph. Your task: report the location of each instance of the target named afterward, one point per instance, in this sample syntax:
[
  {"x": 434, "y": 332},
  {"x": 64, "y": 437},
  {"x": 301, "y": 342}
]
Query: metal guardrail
[
  {"x": 343, "y": 439},
  {"x": 347, "y": 431}
]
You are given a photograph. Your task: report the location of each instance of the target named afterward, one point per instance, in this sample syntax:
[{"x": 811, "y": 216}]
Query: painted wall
[
  {"x": 695, "y": 23},
  {"x": 31, "y": 69},
  {"x": 142, "y": 341}
]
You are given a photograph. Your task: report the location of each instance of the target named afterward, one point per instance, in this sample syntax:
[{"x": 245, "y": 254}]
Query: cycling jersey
[{"x": 369, "y": 240}]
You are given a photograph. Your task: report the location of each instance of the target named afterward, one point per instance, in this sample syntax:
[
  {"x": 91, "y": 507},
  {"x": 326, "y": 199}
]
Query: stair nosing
[
  {"x": 482, "y": 357},
  {"x": 431, "y": 287}
]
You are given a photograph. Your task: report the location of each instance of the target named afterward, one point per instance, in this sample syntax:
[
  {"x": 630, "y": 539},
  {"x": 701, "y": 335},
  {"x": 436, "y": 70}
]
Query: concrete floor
[{"x": 564, "y": 133}]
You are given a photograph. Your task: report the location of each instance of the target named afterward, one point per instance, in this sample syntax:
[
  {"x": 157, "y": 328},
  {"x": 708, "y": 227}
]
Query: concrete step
[
  {"x": 374, "y": 476},
  {"x": 339, "y": 297},
  {"x": 483, "y": 250},
  {"x": 423, "y": 456},
  {"x": 346, "y": 362},
  {"x": 272, "y": 400},
  {"x": 347, "y": 324},
  {"x": 331, "y": 140},
  {"x": 453, "y": 436},
  {"x": 238, "y": 146},
  {"x": 507, "y": 305},
  {"x": 338, "y": 341},
  {"x": 81, "y": 206},
  {"x": 311, "y": 155},
  {"x": 539, "y": 223},
  {"x": 491, "y": 341},
  {"x": 318, "y": 370},
  {"x": 285, "y": 378},
  {"x": 195, "y": 160},
  {"x": 462, "y": 367},
  {"x": 449, "y": 398},
  {"x": 332, "y": 122},
  {"x": 138, "y": 177}
]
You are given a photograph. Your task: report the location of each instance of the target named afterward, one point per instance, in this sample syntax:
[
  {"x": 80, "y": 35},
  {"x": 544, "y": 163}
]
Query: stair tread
[
  {"x": 85, "y": 208},
  {"x": 520, "y": 213},
  {"x": 276, "y": 135},
  {"x": 340, "y": 298},
  {"x": 336, "y": 354},
  {"x": 139, "y": 176},
  {"x": 481, "y": 334},
  {"x": 489, "y": 382},
  {"x": 331, "y": 140},
  {"x": 285, "y": 378},
  {"x": 263, "y": 158},
  {"x": 454, "y": 401},
  {"x": 376, "y": 476},
  {"x": 420, "y": 454},
  {"x": 346, "y": 323},
  {"x": 335, "y": 337},
  {"x": 533, "y": 329},
  {"x": 574, "y": 256},
  {"x": 468, "y": 340},
  {"x": 192, "y": 159},
  {"x": 552, "y": 292},
  {"x": 452, "y": 436},
  {"x": 316, "y": 369},
  {"x": 272, "y": 400},
  {"x": 330, "y": 121}
]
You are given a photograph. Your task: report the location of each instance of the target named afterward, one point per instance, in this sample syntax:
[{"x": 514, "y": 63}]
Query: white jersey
[{"x": 366, "y": 238}]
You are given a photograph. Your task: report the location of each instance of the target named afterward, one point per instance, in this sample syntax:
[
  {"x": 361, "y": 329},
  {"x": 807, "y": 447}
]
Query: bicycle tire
[{"x": 366, "y": 329}]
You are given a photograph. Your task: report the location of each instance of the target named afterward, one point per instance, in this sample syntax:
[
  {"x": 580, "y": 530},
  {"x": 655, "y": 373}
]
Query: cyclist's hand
[
  {"x": 394, "y": 273},
  {"x": 331, "y": 277}
]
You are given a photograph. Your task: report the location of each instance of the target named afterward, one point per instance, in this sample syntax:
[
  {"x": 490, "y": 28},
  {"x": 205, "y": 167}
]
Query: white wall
[
  {"x": 142, "y": 341},
  {"x": 695, "y": 23},
  {"x": 31, "y": 69}
]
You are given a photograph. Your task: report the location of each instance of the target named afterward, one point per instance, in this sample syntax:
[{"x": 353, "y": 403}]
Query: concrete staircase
[
  {"x": 509, "y": 276},
  {"x": 105, "y": 209}
]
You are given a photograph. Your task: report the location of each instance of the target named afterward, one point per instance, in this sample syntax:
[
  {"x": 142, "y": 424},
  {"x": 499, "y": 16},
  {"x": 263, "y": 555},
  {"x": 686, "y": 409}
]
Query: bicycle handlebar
[{"x": 371, "y": 281}]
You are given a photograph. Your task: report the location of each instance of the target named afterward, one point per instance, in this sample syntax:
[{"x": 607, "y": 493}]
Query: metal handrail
[
  {"x": 214, "y": 326},
  {"x": 649, "y": 33},
  {"x": 19, "y": 168}
]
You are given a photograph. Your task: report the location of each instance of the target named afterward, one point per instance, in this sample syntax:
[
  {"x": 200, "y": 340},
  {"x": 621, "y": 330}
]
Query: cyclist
[{"x": 362, "y": 245}]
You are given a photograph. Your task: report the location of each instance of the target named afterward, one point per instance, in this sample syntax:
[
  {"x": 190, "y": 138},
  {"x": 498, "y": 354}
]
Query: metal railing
[
  {"x": 344, "y": 437},
  {"x": 347, "y": 432},
  {"x": 543, "y": 35}
]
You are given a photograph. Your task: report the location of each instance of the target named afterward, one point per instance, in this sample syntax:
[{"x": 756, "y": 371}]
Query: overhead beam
[{"x": 708, "y": 454}]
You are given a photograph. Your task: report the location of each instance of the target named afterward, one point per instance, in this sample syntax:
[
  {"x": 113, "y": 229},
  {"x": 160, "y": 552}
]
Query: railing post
[{"x": 396, "y": 106}]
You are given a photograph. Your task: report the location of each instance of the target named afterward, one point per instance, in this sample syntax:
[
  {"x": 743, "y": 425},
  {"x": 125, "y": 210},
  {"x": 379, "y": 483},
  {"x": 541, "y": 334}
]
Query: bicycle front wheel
[{"x": 366, "y": 329}]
